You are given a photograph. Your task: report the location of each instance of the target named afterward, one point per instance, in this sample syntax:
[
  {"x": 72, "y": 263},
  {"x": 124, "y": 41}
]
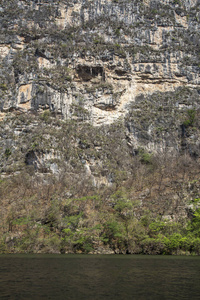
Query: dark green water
[{"x": 99, "y": 277}]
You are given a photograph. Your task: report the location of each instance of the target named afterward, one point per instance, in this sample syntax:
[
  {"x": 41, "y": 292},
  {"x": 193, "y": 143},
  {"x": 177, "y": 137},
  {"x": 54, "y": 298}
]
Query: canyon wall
[{"x": 101, "y": 62}]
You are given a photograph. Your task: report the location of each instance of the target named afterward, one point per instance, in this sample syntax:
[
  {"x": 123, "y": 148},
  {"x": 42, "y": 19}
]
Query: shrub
[
  {"x": 46, "y": 116},
  {"x": 145, "y": 157},
  {"x": 191, "y": 117},
  {"x": 7, "y": 152}
]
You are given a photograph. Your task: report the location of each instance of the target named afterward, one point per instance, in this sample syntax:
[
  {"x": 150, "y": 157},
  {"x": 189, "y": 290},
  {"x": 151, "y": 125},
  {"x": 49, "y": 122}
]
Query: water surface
[{"x": 99, "y": 277}]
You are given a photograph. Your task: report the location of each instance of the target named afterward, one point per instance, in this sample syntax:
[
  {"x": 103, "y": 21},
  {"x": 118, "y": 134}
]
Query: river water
[{"x": 99, "y": 277}]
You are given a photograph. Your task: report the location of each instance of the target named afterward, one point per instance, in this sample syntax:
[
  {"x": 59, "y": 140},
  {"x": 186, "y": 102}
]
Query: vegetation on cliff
[
  {"x": 141, "y": 203},
  {"x": 47, "y": 218}
]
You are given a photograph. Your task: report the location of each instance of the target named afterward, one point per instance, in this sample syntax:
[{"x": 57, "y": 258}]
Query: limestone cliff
[
  {"x": 102, "y": 93},
  {"x": 97, "y": 55},
  {"x": 99, "y": 61}
]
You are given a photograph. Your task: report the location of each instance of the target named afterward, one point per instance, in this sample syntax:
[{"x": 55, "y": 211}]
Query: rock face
[
  {"x": 98, "y": 55},
  {"x": 101, "y": 61}
]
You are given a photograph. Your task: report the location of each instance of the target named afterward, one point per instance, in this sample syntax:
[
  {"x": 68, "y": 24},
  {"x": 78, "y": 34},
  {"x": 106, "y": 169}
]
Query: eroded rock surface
[
  {"x": 101, "y": 62},
  {"x": 99, "y": 55}
]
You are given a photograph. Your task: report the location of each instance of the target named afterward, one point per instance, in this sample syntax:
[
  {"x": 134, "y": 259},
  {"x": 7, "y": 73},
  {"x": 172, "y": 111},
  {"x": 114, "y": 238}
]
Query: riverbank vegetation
[{"x": 153, "y": 212}]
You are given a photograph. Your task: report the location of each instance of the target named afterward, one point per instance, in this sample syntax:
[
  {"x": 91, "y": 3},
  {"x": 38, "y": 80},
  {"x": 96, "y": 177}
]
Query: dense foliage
[
  {"x": 149, "y": 206},
  {"x": 92, "y": 224}
]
